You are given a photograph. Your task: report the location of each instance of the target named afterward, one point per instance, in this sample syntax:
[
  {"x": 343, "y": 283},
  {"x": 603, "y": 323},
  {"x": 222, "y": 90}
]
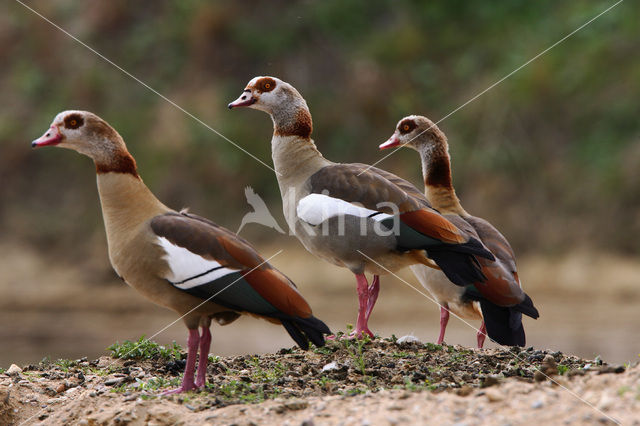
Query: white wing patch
[
  {"x": 187, "y": 269},
  {"x": 317, "y": 208}
]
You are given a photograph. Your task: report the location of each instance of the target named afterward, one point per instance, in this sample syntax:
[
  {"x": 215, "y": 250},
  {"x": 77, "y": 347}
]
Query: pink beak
[
  {"x": 393, "y": 141},
  {"x": 245, "y": 100},
  {"x": 51, "y": 137}
]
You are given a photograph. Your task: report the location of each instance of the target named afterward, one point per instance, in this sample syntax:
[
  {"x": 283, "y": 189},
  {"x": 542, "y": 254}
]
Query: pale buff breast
[{"x": 445, "y": 292}]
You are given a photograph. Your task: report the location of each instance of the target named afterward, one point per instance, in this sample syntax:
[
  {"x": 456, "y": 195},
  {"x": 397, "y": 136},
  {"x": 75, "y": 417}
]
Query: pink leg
[
  {"x": 205, "y": 344},
  {"x": 374, "y": 289},
  {"x": 363, "y": 301},
  {"x": 444, "y": 319},
  {"x": 482, "y": 333},
  {"x": 192, "y": 351}
]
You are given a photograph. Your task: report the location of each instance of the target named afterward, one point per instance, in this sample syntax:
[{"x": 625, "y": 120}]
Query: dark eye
[
  {"x": 406, "y": 126},
  {"x": 266, "y": 84},
  {"x": 73, "y": 121}
]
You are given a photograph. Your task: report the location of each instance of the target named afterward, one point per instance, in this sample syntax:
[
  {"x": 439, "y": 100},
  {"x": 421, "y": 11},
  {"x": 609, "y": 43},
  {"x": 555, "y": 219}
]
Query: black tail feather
[
  {"x": 462, "y": 269},
  {"x": 303, "y": 330},
  {"x": 296, "y": 334},
  {"x": 315, "y": 330},
  {"x": 458, "y": 262},
  {"x": 527, "y": 308},
  {"x": 504, "y": 324},
  {"x": 473, "y": 246}
]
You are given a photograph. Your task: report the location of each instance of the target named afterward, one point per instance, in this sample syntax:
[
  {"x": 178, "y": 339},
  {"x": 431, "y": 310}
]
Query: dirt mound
[
  {"x": 399, "y": 380},
  {"x": 6, "y": 408}
]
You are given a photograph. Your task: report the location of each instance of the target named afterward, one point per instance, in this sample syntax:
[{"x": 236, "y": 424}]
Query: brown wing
[
  {"x": 503, "y": 285},
  {"x": 382, "y": 191},
  {"x": 210, "y": 241},
  {"x": 355, "y": 184},
  {"x": 405, "y": 185}
]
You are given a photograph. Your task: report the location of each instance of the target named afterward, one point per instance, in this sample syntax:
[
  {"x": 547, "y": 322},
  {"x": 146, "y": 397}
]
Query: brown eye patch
[
  {"x": 406, "y": 126},
  {"x": 266, "y": 84},
  {"x": 73, "y": 121}
]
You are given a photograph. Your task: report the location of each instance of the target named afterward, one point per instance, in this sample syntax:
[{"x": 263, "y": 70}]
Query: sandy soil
[{"x": 379, "y": 382}]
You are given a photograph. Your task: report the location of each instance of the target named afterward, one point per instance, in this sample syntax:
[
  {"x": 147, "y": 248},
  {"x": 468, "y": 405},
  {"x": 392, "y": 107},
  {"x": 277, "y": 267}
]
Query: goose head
[
  {"x": 267, "y": 94},
  {"x": 279, "y": 99},
  {"x": 90, "y": 135},
  {"x": 415, "y": 131}
]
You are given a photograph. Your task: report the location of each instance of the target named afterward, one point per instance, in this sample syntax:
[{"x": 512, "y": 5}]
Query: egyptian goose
[
  {"x": 353, "y": 215},
  {"x": 179, "y": 260},
  {"x": 499, "y": 301}
]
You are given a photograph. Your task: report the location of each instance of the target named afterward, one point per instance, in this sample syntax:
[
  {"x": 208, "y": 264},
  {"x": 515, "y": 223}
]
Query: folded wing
[{"x": 212, "y": 263}]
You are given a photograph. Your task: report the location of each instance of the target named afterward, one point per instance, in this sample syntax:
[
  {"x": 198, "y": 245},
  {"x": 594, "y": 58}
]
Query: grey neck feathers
[
  {"x": 295, "y": 158},
  {"x": 295, "y": 155},
  {"x": 291, "y": 116}
]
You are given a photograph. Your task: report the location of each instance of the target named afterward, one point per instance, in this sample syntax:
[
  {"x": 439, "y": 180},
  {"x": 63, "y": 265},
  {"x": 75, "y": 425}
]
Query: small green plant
[
  {"x": 415, "y": 387},
  {"x": 324, "y": 381},
  {"x": 353, "y": 392},
  {"x": 153, "y": 384},
  {"x": 100, "y": 371},
  {"x": 401, "y": 354},
  {"x": 120, "y": 389},
  {"x": 2, "y": 370},
  {"x": 355, "y": 349},
  {"x": 144, "y": 349},
  {"x": 243, "y": 391},
  {"x": 268, "y": 375},
  {"x": 65, "y": 364},
  {"x": 323, "y": 350},
  {"x": 458, "y": 356},
  {"x": 432, "y": 347},
  {"x": 562, "y": 369},
  {"x": 622, "y": 390},
  {"x": 435, "y": 368},
  {"x": 156, "y": 383}
]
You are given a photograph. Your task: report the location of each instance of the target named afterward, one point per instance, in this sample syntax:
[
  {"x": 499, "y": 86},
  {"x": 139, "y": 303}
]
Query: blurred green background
[{"x": 551, "y": 156}]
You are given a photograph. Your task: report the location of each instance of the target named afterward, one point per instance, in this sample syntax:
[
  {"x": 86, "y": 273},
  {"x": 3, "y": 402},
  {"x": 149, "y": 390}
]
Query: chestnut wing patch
[
  {"x": 434, "y": 225},
  {"x": 503, "y": 285}
]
